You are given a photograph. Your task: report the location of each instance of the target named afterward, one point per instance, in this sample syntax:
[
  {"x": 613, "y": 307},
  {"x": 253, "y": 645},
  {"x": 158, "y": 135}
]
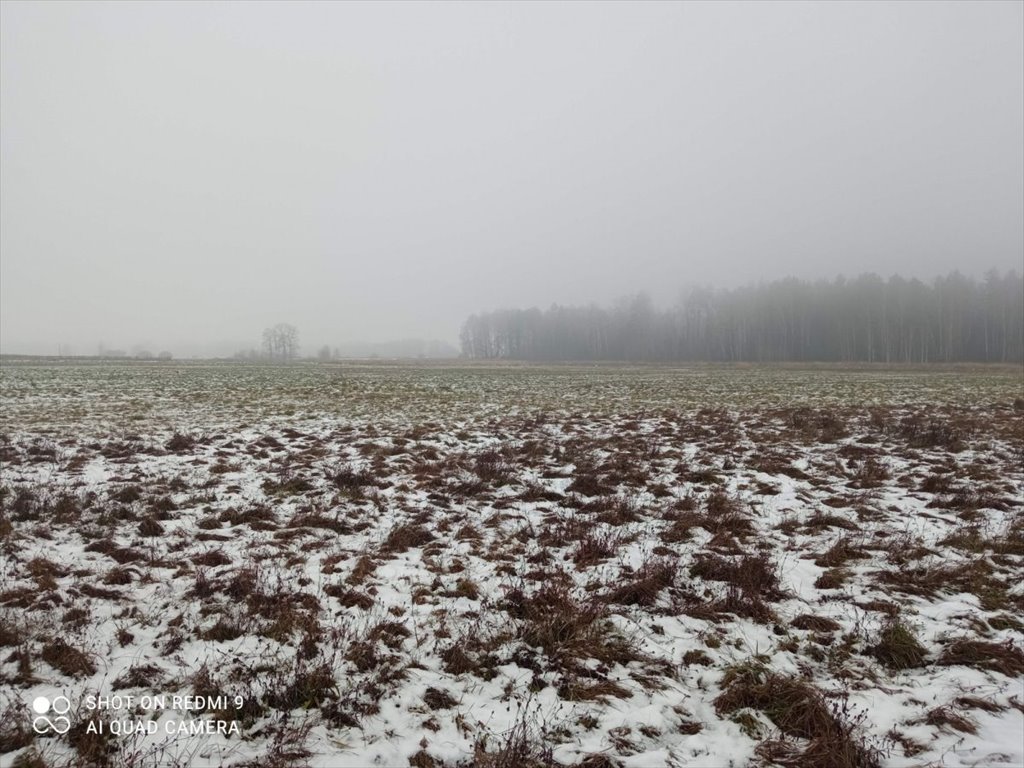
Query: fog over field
[
  {"x": 511, "y": 385},
  {"x": 182, "y": 176}
]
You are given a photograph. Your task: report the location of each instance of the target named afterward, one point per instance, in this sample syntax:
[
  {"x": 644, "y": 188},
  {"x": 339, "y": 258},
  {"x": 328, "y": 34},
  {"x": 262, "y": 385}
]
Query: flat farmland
[{"x": 431, "y": 565}]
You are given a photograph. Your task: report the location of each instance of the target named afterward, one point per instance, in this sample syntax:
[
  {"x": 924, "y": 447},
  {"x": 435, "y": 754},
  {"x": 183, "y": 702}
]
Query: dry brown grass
[
  {"x": 751, "y": 580},
  {"x": 406, "y": 536},
  {"x": 362, "y": 570},
  {"x": 595, "y": 547},
  {"x": 588, "y": 483},
  {"x": 71, "y": 661},
  {"x": 575, "y": 689},
  {"x": 833, "y": 578},
  {"x": 350, "y": 598},
  {"x": 973, "y": 702},
  {"x": 840, "y": 553},
  {"x": 352, "y": 479},
  {"x": 16, "y": 732},
  {"x": 180, "y": 443},
  {"x": 518, "y": 747},
  {"x": 798, "y": 710},
  {"x": 120, "y": 555},
  {"x": 569, "y": 631},
  {"x": 920, "y": 431},
  {"x": 316, "y": 520},
  {"x": 303, "y": 687},
  {"x": 643, "y": 587},
  {"x": 998, "y": 657},
  {"x": 977, "y": 577},
  {"x": 815, "y": 623},
  {"x": 752, "y": 574},
  {"x": 820, "y": 521},
  {"x": 898, "y": 648},
  {"x": 224, "y": 630},
  {"x": 147, "y": 676},
  {"x": 950, "y": 717},
  {"x": 820, "y": 425},
  {"x": 435, "y": 698}
]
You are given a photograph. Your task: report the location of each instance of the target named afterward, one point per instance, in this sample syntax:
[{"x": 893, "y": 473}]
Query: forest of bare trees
[{"x": 867, "y": 319}]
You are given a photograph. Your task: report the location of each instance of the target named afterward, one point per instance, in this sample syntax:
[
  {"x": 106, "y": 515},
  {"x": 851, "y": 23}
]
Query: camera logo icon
[{"x": 59, "y": 706}]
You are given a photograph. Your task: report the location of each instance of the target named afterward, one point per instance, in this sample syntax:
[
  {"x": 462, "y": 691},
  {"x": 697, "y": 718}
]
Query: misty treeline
[
  {"x": 866, "y": 319},
  {"x": 281, "y": 345}
]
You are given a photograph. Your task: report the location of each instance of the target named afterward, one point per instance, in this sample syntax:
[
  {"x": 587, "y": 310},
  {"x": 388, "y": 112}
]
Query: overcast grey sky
[{"x": 198, "y": 171}]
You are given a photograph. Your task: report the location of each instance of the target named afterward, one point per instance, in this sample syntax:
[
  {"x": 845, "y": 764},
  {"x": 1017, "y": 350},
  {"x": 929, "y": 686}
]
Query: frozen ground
[{"x": 387, "y": 565}]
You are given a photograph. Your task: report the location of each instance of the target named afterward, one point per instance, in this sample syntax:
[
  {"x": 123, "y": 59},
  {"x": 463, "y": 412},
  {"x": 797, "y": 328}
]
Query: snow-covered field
[{"x": 511, "y": 566}]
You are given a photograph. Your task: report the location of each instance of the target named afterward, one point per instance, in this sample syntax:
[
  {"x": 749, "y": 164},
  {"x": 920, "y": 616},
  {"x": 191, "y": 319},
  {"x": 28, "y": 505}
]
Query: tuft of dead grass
[
  {"x": 998, "y": 657},
  {"x": 303, "y": 687},
  {"x": 815, "y": 623},
  {"x": 568, "y": 630},
  {"x": 898, "y": 648},
  {"x": 71, "y": 661},
  {"x": 406, "y": 536},
  {"x": 977, "y": 577},
  {"x": 646, "y": 584},
  {"x": 949, "y": 717},
  {"x": 799, "y": 710},
  {"x": 756, "y": 573}
]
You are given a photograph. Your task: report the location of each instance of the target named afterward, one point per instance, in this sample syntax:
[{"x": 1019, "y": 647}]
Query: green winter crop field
[{"x": 106, "y": 395}]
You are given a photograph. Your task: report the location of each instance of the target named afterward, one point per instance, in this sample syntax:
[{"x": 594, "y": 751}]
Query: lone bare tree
[{"x": 281, "y": 343}]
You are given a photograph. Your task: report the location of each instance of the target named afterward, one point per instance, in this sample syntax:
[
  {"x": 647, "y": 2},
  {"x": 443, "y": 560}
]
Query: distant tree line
[
  {"x": 281, "y": 345},
  {"x": 867, "y": 319},
  {"x": 138, "y": 353}
]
